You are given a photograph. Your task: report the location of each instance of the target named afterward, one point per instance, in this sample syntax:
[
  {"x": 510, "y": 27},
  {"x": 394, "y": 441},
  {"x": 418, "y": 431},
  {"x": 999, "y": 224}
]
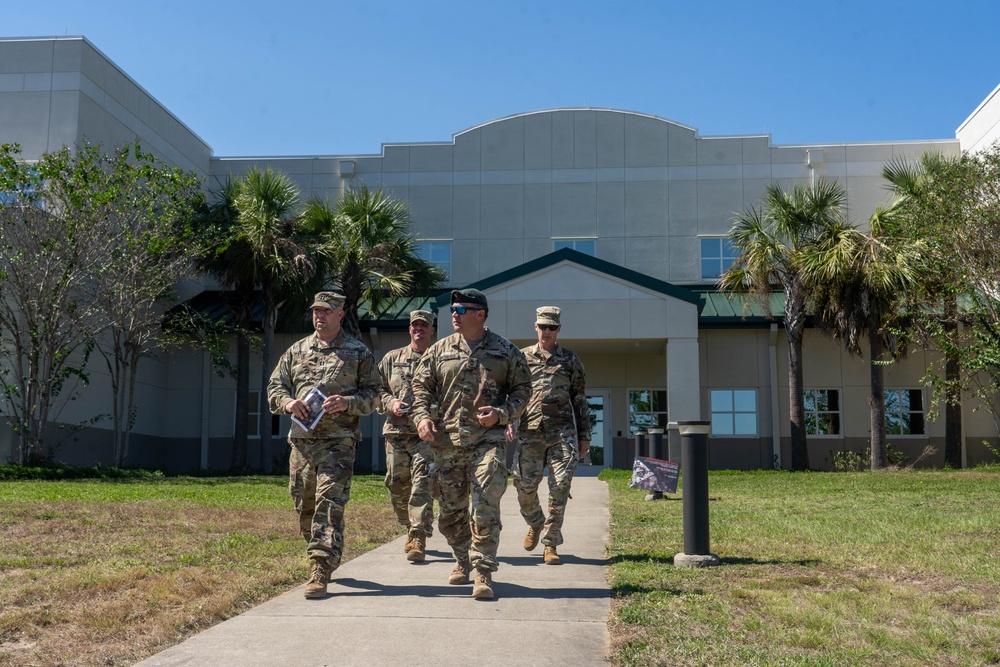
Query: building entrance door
[{"x": 599, "y": 402}]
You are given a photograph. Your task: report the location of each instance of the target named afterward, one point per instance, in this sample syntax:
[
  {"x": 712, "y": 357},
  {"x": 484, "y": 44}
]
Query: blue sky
[{"x": 308, "y": 77}]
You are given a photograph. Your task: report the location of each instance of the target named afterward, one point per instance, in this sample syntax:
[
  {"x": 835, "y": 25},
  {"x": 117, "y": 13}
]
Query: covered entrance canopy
[{"x": 608, "y": 312}]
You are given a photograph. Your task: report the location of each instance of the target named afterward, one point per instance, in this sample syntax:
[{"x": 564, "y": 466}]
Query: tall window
[
  {"x": 647, "y": 408},
  {"x": 822, "y": 411},
  {"x": 586, "y": 246},
  {"x": 437, "y": 253},
  {"x": 734, "y": 411},
  {"x": 717, "y": 255},
  {"x": 904, "y": 412},
  {"x": 254, "y": 417}
]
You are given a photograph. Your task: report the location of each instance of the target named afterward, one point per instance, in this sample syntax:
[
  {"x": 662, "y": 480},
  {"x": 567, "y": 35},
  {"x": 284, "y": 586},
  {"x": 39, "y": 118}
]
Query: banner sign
[{"x": 655, "y": 475}]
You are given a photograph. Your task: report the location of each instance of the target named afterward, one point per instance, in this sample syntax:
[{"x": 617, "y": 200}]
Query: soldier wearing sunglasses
[
  {"x": 555, "y": 422},
  {"x": 480, "y": 383}
]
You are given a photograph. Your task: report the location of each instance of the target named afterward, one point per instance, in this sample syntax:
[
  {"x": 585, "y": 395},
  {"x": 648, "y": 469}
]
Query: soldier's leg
[
  {"x": 334, "y": 463},
  {"x": 397, "y": 477},
  {"x": 528, "y": 466},
  {"x": 488, "y": 485},
  {"x": 421, "y": 505},
  {"x": 453, "y": 466},
  {"x": 562, "y": 458},
  {"x": 302, "y": 488}
]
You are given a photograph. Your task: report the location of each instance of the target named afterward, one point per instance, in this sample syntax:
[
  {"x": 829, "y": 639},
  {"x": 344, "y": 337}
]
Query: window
[
  {"x": 253, "y": 417},
  {"x": 586, "y": 246},
  {"x": 647, "y": 408},
  {"x": 437, "y": 253},
  {"x": 717, "y": 255},
  {"x": 734, "y": 411},
  {"x": 904, "y": 412},
  {"x": 822, "y": 412}
]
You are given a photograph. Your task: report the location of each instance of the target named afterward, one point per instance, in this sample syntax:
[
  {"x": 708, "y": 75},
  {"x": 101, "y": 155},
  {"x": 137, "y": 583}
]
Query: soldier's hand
[
  {"x": 399, "y": 408},
  {"x": 335, "y": 403},
  {"x": 298, "y": 408},
  {"x": 488, "y": 416},
  {"x": 511, "y": 433},
  {"x": 426, "y": 429},
  {"x": 584, "y": 447}
]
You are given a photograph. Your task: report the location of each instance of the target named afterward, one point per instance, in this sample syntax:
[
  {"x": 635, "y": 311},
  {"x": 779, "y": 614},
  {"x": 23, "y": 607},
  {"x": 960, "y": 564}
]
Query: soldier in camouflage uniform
[
  {"x": 321, "y": 463},
  {"x": 555, "y": 421},
  {"x": 407, "y": 457},
  {"x": 480, "y": 383}
]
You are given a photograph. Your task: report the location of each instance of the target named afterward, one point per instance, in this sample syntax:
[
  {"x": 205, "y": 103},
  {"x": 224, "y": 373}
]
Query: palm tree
[
  {"x": 371, "y": 247},
  {"x": 267, "y": 258},
  {"x": 930, "y": 218},
  {"x": 861, "y": 279},
  {"x": 772, "y": 241}
]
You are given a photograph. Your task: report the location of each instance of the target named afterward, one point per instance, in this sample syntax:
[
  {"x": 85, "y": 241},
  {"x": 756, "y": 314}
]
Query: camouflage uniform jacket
[
  {"x": 458, "y": 381},
  {"x": 345, "y": 366},
  {"x": 397, "y": 368},
  {"x": 558, "y": 391}
]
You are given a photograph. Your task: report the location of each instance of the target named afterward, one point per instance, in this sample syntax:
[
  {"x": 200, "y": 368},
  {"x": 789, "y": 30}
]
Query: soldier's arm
[
  {"x": 518, "y": 388},
  {"x": 386, "y": 399},
  {"x": 280, "y": 391},
  {"x": 424, "y": 390},
  {"x": 363, "y": 402},
  {"x": 578, "y": 396}
]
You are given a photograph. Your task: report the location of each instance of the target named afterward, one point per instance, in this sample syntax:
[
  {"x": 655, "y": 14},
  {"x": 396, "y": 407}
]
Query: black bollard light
[
  {"x": 655, "y": 452},
  {"x": 640, "y": 444},
  {"x": 694, "y": 461}
]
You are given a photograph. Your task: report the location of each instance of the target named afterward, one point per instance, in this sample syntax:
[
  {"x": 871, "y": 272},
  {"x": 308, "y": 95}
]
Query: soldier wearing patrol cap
[
  {"x": 467, "y": 388},
  {"x": 555, "y": 432},
  {"x": 407, "y": 457},
  {"x": 321, "y": 463}
]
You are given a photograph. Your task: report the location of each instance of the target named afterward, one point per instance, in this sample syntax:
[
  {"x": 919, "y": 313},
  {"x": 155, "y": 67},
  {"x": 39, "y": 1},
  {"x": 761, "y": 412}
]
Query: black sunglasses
[
  {"x": 548, "y": 327},
  {"x": 462, "y": 310}
]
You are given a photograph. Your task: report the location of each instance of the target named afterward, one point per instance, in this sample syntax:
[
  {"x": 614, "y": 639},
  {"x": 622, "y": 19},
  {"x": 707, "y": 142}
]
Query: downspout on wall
[{"x": 772, "y": 348}]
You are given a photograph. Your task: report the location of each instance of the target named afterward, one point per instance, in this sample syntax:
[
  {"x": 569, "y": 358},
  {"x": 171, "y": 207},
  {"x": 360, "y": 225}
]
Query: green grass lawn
[
  {"x": 895, "y": 568},
  {"x": 109, "y": 571}
]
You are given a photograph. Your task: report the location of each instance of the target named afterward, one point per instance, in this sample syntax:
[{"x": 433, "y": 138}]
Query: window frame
[
  {"x": 571, "y": 243},
  {"x": 910, "y": 391},
  {"x": 661, "y": 416},
  {"x": 428, "y": 256},
  {"x": 733, "y": 412},
  {"x": 724, "y": 261},
  {"x": 253, "y": 413},
  {"x": 816, "y": 413}
]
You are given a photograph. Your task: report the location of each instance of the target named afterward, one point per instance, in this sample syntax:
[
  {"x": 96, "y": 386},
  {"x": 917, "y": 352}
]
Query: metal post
[
  {"x": 655, "y": 452},
  {"x": 694, "y": 455}
]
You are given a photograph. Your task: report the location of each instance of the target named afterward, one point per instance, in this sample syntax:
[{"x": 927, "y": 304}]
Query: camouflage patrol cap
[
  {"x": 470, "y": 295},
  {"x": 547, "y": 315},
  {"x": 425, "y": 315},
  {"x": 330, "y": 300}
]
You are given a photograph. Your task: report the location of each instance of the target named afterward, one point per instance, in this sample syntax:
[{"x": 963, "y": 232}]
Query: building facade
[{"x": 616, "y": 217}]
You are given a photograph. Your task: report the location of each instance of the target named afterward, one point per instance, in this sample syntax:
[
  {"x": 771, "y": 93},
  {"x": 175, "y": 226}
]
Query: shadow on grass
[{"x": 726, "y": 560}]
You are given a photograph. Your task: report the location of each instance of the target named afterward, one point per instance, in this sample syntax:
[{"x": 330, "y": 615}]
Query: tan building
[{"x": 616, "y": 217}]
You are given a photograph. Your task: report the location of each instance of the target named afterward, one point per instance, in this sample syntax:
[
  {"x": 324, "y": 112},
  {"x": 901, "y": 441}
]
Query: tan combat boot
[
  {"x": 550, "y": 556},
  {"x": 483, "y": 588},
  {"x": 319, "y": 575},
  {"x": 531, "y": 539},
  {"x": 460, "y": 575},
  {"x": 417, "y": 550},
  {"x": 408, "y": 545}
]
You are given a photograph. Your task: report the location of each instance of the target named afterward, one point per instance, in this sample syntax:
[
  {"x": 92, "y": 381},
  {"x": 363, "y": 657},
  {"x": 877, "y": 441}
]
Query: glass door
[{"x": 599, "y": 403}]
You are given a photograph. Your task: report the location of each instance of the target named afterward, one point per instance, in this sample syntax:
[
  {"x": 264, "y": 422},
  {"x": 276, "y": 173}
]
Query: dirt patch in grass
[{"x": 85, "y": 583}]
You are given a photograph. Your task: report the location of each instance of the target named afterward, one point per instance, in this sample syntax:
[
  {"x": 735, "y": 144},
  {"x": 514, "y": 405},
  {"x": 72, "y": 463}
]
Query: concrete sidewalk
[{"x": 382, "y": 610}]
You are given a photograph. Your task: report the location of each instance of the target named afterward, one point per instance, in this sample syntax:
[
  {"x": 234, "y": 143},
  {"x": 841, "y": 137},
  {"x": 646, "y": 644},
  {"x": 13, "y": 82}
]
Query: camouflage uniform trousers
[
  {"x": 538, "y": 449},
  {"x": 319, "y": 480},
  {"x": 472, "y": 481},
  {"x": 408, "y": 460}
]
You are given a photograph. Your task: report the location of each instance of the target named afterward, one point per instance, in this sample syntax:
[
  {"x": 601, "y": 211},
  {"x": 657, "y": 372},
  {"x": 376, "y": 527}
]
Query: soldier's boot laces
[
  {"x": 319, "y": 576},
  {"x": 408, "y": 545},
  {"x": 417, "y": 550},
  {"x": 483, "y": 588},
  {"x": 550, "y": 556},
  {"x": 460, "y": 574},
  {"x": 531, "y": 539}
]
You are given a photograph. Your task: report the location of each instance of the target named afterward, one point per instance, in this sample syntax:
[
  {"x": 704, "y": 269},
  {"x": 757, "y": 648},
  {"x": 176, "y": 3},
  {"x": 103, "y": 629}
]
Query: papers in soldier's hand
[{"x": 314, "y": 399}]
